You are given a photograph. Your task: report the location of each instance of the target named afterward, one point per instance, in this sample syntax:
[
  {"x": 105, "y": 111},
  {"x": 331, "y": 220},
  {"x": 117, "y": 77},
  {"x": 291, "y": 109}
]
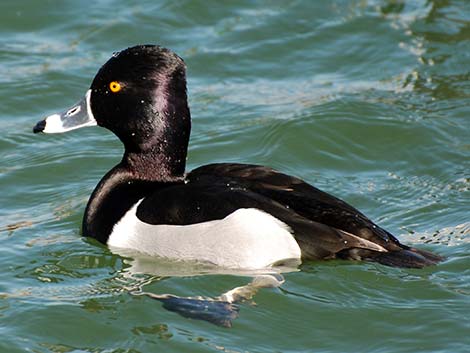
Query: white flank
[{"x": 246, "y": 239}]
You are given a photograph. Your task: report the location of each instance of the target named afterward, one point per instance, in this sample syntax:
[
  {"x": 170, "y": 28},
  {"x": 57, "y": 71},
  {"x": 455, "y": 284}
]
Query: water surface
[{"x": 368, "y": 100}]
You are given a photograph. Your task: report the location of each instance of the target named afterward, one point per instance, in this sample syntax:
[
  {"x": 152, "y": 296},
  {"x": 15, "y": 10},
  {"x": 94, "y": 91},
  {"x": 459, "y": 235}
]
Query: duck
[{"x": 231, "y": 215}]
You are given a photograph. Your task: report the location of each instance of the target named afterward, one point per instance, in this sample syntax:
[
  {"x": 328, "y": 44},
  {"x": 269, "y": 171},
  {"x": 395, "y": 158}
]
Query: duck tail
[{"x": 406, "y": 257}]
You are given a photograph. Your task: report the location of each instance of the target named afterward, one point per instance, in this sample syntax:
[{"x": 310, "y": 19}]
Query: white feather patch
[{"x": 246, "y": 239}]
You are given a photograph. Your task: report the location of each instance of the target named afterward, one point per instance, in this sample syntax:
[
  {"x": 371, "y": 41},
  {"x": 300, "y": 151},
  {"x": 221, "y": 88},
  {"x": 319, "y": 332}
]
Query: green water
[{"x": 369, "y": 100}]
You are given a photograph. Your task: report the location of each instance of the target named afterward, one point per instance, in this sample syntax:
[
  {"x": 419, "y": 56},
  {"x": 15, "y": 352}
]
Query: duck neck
[{"x": 161, "y": 163}]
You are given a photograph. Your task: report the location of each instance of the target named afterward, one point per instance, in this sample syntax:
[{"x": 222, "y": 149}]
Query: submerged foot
[{"x": 221, "y": 310}]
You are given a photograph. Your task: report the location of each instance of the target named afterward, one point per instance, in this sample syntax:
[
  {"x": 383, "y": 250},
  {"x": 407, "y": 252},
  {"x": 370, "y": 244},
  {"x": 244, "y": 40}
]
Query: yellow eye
[{"x": 115, "y": 86}]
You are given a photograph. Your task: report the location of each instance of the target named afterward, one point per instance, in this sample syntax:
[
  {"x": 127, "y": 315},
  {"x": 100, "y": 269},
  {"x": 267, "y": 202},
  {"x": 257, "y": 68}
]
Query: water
[{"x": 368, "y": 100}]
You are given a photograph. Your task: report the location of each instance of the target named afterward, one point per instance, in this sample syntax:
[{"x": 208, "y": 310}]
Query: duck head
[{"x": 140, "y": 95}]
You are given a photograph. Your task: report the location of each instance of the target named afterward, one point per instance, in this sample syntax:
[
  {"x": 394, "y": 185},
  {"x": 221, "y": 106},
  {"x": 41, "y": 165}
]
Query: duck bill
[{"x": 79, "y": 115}]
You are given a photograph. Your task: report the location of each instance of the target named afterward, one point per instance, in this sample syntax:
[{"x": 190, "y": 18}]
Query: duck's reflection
[{"x": 220, "y": 310}]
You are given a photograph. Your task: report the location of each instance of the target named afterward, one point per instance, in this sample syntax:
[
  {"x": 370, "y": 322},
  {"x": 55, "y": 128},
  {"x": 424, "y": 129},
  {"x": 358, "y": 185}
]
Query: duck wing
[
  {"x": 315, "y": 211},
  {"x": 306, "y": 200}
]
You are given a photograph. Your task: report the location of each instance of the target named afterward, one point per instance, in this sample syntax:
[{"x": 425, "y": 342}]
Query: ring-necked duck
[{"x": 231, "y": 215}]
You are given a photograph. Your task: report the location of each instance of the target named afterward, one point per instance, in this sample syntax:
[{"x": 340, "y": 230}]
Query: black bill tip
[{"x": 40, "y": 126}]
